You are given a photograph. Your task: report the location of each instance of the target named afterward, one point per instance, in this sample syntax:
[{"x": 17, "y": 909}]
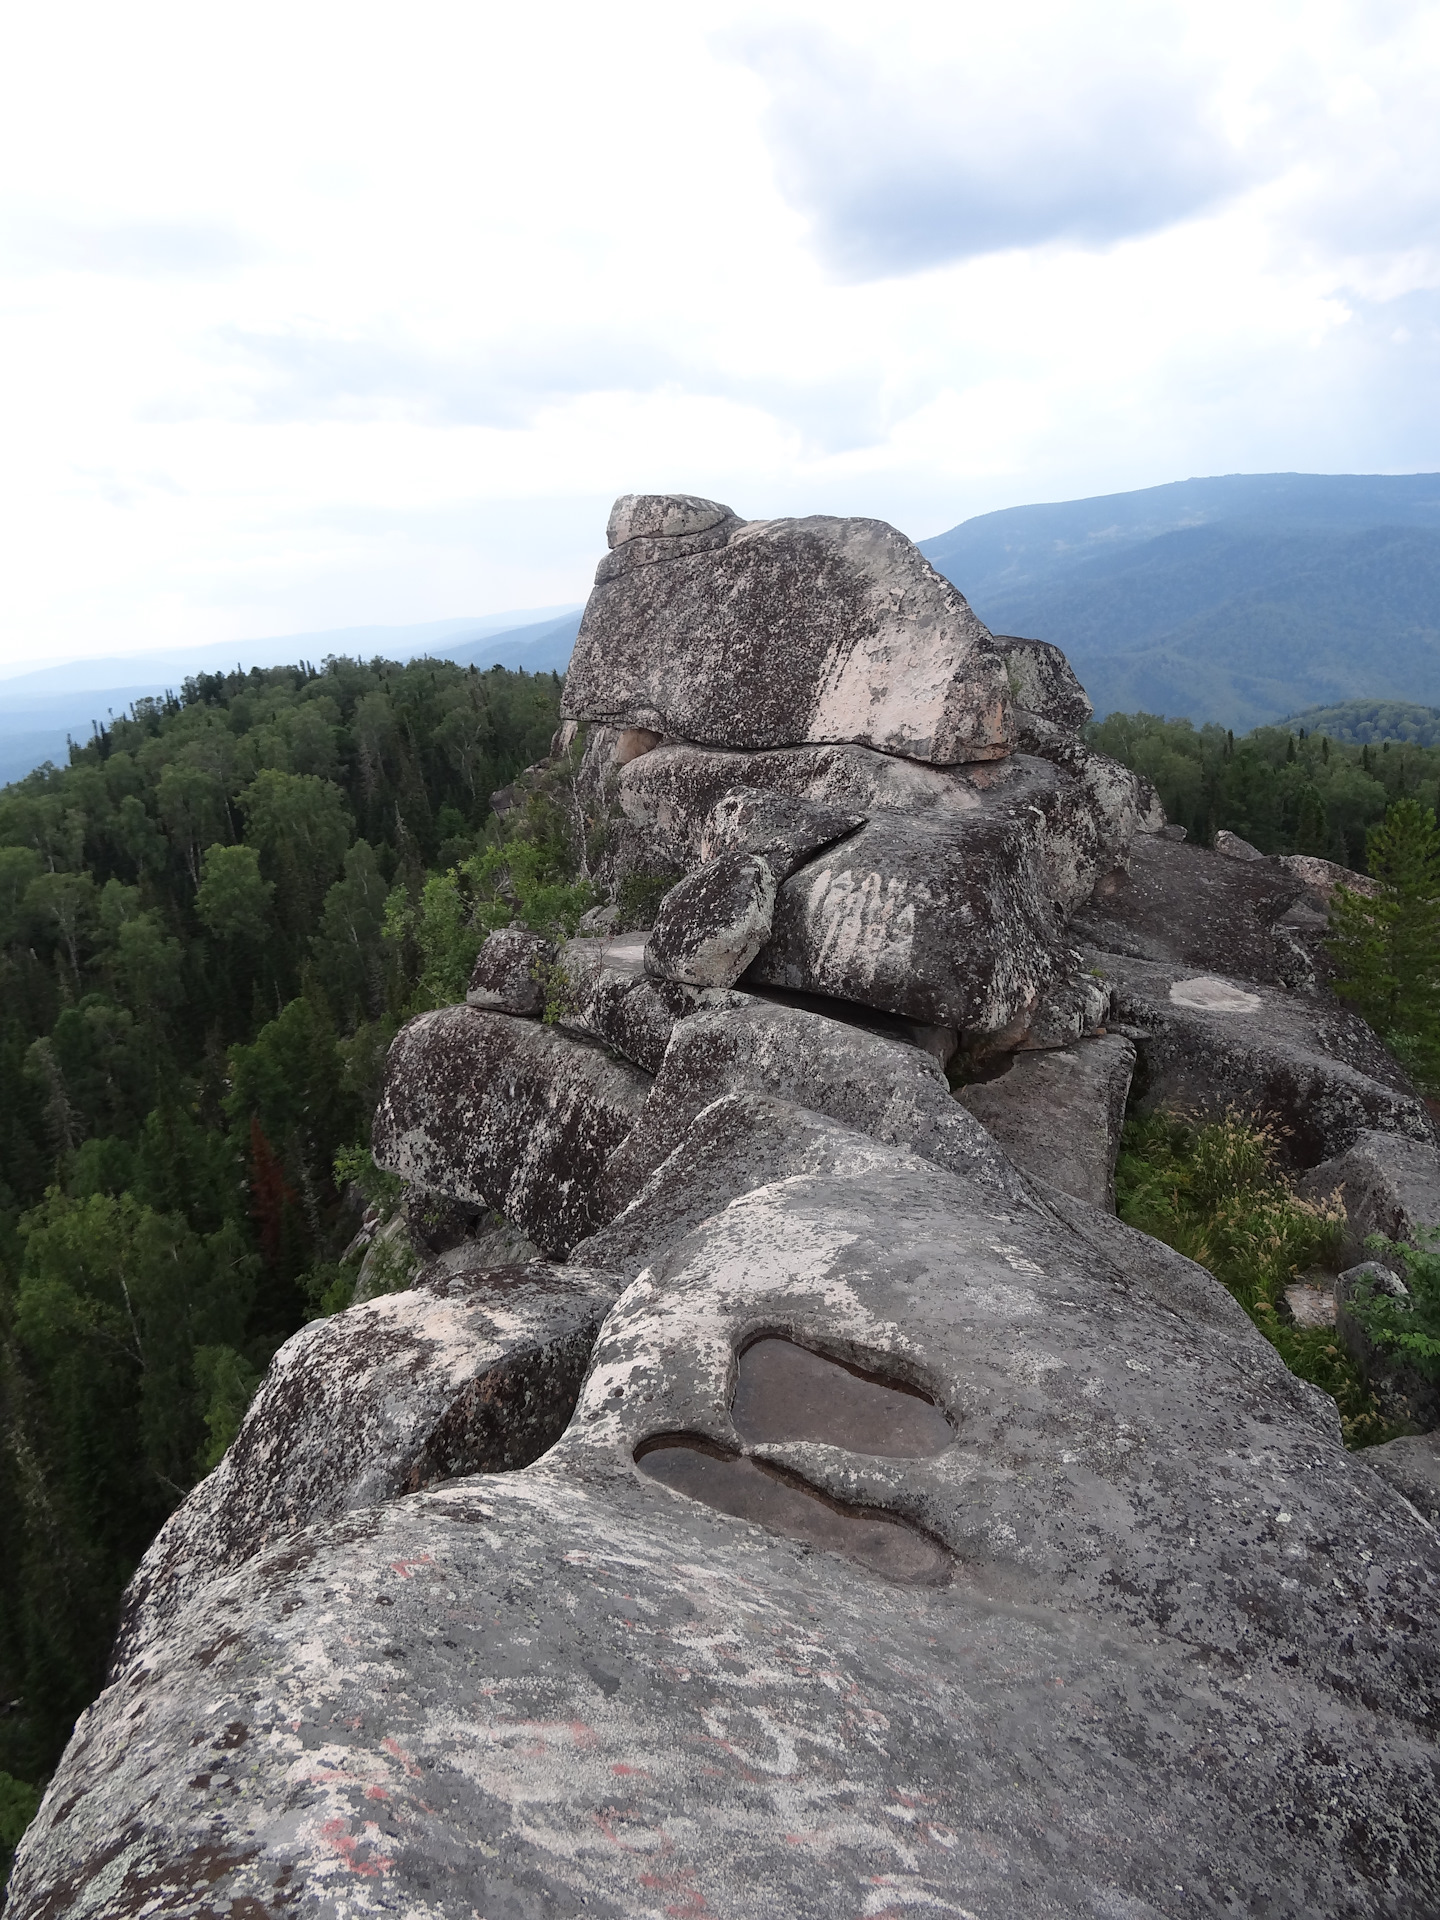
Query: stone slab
[
  {"x": 1059, "y": 1113},
  {"x": 506, "y": 1113}
]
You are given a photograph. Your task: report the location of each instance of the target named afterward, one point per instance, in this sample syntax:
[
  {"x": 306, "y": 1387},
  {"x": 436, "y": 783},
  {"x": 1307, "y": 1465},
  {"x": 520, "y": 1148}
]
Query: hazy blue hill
[
  {"x": 1236, "y": 599},
  {"x": 544, "y": 646},
  {"x": 1359, "y": 723}
]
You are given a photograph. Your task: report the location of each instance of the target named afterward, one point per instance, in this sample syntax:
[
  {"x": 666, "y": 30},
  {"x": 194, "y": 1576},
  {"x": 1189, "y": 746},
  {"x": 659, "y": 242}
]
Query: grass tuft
[{"x": 1215, "y": 1191}]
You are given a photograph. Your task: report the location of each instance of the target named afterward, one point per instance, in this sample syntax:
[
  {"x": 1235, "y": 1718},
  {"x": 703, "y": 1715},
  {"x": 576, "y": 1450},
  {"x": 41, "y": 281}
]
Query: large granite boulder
[
  {"x": 1059, "y": 1111},
  {"x": 903, "y": 1554},
  {"x": 1388, "y": 1183},
  {"x": 882, "y": 1087},
  {"x": 711, "y": 924},
  {"x": 1051, "y": 706},
  {"x": 948, "y": 905},
  {"x": 1180, "y": 903},
  {"x": 512, "y": 972},
  {"x": 1412, "y": 1464},
  {"x": 506, "y": 1113},
  {"x": 785, "y": 830},
  {"x": 603, "y": 992},
  {"x": 474, "y": 1369},
  {"x": 1209, "y": 1044},
  {"x": 954, "y": 916},
  {"x": 770, "y": 633}
]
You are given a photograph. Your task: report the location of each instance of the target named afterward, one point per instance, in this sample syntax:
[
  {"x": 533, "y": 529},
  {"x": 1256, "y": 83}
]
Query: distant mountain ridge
[{"x": 1236, "y": 599}]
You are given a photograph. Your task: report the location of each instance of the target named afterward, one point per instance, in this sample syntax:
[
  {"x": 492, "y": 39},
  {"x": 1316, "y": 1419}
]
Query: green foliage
[
  {"x": 1285, "y": 791},
  {"x": 1387, "y": 949},
  {"x": 19, "y": 1803},
  {"x": 1368, "y": 722},
  {"x": 227, "y": 1383},
  {"x": 198, "y": 995},
  {"x": 1215, "y": 1192},
  {"x": 1409, "y": 1326},
  {"x": 639, "y": 899},
  {"x": 355, "y": 1167}
]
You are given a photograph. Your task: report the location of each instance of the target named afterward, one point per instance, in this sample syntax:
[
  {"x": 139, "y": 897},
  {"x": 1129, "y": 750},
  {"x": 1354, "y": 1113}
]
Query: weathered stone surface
[
  {"x": 952, "y": 916},
  {"x": 510, "y": 972},
  {"x": 1184, "y": 1636},
  {"x": 785, "y": 830},
  {"x": 1389, "y": 1184},
  {"x": 1179, "y": 903},
  {"x": 607, "y": 998},
  {"x": 1321, "y": 877},
  {"x": 1231, "y": 847},
  {"x": 1043, "y": 684},
  {"x": 472, "y": 1369},
  {"x": 1207, "y": 1044},
  {"x": 1411, "y": 1464},
  {"x": 508, "y": 1114},
  {"x": 663, "y": 516},
  {"x": 671, "y": 795},
  {"x": 711, "y": 924},
  {"x": 792, "y": 630},
  {"x": 1073, "y": 1009},
  {"x": 1059, "y": 1113},
  {"x": 650, "y": 553},
  {"x": 893, "y": 1092}
]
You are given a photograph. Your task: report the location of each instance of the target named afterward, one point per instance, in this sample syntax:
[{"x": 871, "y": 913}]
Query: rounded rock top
[{"x": 662, "y": 516}]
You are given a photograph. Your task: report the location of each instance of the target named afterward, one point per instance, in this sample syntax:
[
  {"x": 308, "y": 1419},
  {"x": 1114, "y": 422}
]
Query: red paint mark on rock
[
  {"x": 347, "y": 1845},
  {"x": 407, "y": 1760}
]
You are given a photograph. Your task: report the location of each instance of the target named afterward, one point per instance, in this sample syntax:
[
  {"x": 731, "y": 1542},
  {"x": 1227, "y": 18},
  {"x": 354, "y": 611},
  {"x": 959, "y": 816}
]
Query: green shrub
[
  {"x": 1409, "y": 1327},
  {"x": 639, "y": 898},
  {"x": 1215, "y": 1192}
]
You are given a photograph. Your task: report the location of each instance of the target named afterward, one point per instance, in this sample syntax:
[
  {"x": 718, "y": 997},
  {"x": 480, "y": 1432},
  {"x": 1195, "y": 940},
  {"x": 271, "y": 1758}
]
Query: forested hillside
[
  {"x": 1284, "y": 789},
  {"x": 211, "y": 923}
]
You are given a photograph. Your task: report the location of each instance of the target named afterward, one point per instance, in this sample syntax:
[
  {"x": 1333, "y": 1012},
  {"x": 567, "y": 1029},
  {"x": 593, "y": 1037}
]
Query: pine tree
[{"x": 1387, "y": 948}]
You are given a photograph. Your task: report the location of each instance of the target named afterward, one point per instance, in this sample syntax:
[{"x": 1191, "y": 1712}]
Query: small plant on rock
[
  {"x": 1408, "y": 1324},
  {"x": 1215, "y": 1191}
]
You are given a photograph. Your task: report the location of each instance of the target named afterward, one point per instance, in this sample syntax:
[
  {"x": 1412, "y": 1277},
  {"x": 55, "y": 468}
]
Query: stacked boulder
[
  {"x": 830, "y": 1507},
  {"x": 877, "y": 811}
]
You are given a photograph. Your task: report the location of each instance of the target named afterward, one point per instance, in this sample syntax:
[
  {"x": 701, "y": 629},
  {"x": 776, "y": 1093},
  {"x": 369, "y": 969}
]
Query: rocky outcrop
[
  {"x": 506, "y": 1113},
  {"x": 893, "y": 1092},
  {"x": 770, "y": 633},
  {"x": 861, "y": 1519},
  {"x": 881, "y": 1550},
  {"x": 603, "y": 993},
  {"x": 711, "y": 924},
  {"x": 1212, "y": 1045},
  {"x": 782, "y": 828},
  {"x": 1176, "y": 903},
  {"x": 1412, "y": 1465},
  {"x": 511, "y": 972}
]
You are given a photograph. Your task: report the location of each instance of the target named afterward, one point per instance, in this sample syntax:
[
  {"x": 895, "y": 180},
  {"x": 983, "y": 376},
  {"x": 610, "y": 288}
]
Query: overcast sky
[{"x": 316, "y": 315}]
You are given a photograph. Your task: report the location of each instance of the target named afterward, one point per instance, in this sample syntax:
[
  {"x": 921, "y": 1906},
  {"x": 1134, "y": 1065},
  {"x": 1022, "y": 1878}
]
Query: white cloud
[{"x": 324, "y": 315}]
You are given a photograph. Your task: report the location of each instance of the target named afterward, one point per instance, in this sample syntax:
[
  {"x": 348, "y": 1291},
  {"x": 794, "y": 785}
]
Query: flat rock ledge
[{"x": 1103, "y": 1620}]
